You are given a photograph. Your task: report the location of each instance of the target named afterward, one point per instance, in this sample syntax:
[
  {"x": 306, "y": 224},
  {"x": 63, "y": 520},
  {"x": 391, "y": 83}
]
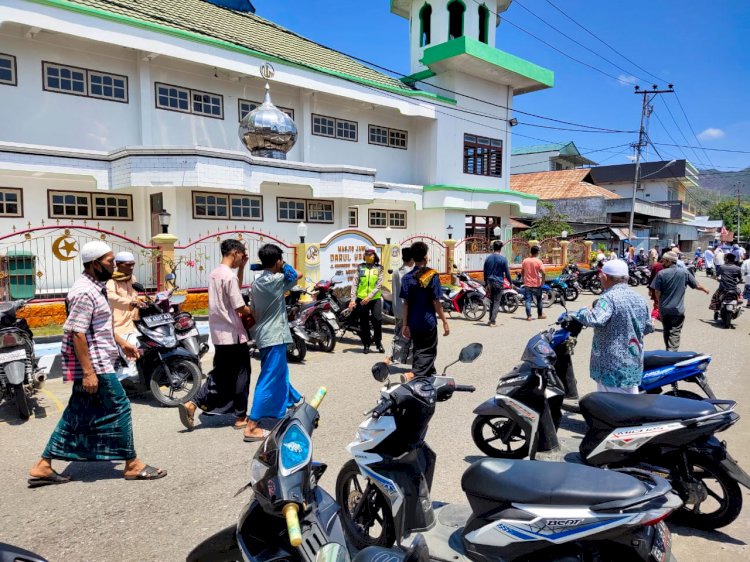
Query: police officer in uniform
[{"x": 367, "y": 297}]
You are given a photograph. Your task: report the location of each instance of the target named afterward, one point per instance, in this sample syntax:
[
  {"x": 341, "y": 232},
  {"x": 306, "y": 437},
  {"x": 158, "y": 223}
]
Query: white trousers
[
  {"x": 626, "y": 390},
  {"x": 130, "y": 370}
]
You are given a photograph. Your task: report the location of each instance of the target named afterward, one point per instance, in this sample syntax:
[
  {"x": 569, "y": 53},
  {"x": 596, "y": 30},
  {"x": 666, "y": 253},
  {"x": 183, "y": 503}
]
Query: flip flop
[
  {"x": 148, "y": 473},
  {"x": 239, "y": 425},
  {"x": 253, "y": 439},
  {"x": 187, "y": 420},
  {"x": 51, "y": 480}
]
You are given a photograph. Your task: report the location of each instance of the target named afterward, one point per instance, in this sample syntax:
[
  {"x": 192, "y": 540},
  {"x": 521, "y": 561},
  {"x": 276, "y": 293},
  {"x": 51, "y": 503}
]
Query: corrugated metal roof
[
  {"x": 553, "y": 147},
  {"x": 244, "y": 30}
]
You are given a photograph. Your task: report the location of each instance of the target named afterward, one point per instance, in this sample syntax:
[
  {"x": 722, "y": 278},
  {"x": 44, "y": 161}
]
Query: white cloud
[
  {"x": 712, "y": 134},
  {"x": 627, "y": 80},
  {"x": 631, "y": 158}
]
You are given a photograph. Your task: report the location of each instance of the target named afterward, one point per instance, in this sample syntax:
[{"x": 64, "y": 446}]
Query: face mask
[
  {"x": 102, "y": 274},
  {"x": 369, "y": 259}
]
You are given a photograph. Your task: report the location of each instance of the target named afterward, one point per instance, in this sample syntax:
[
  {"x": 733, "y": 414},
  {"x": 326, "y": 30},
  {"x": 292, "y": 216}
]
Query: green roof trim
[
  {"x": 472, "y": 47},
  {"x": 416, "y": 77},
  {"x": 203, "y": 22},
  {"x": 467, "y": 189}
]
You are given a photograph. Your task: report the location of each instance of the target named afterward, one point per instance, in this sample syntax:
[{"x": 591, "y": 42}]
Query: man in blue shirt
[
  {"x": 420, "y": 290},
  {"x": 495, "y": 270}
]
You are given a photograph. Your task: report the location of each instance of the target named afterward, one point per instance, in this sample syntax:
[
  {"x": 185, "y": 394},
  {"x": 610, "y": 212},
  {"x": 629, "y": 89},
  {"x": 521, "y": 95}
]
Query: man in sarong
[
  {"x": 96, "y": 425},
  {"x": 273, "y": 391}
]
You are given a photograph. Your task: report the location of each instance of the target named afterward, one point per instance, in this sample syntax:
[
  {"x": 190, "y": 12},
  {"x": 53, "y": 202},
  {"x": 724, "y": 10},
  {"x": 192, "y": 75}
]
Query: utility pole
[
  {"x": 646, "y": 110},
  {"x": 739, "y": 185}
]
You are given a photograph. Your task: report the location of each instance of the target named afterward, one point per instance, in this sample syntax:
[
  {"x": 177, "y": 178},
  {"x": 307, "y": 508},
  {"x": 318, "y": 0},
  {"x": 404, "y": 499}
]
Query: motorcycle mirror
[
  {"x": 470, "y": 353},
  {"x": 170, "y": 277},
  {"x": 178, "y": 299},
  {"x": 332, "y": 552},
  {"x": 380, "y": 371},
  {"x": 138, "y": 287}
]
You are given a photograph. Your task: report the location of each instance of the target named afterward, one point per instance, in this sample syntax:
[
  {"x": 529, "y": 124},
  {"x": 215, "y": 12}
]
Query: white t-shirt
[
  {"x": 719, "y": 257},
  {"x": 745, "y": 268},
  {"x": 709, "y": 256}
]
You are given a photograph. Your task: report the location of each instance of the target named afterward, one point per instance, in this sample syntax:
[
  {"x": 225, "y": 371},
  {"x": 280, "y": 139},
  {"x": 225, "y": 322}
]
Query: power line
[
  {"x": 690, "y": 125},
  {"x": 702, "y": 148},
  {"x": 679, "y": 129},
  {"x": 608, "y": 149},
  {"x": 603, "y": 42}
]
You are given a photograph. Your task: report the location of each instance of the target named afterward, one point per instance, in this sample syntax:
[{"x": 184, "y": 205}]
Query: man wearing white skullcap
[
  {"x": 124, "y": 300},
  {"x": 92, "y": 428},
  {"x": 620, "y": 319}
]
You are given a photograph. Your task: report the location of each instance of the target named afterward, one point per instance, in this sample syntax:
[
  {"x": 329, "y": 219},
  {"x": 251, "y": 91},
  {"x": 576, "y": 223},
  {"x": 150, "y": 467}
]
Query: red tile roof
[{"x": 563, "y": 184}]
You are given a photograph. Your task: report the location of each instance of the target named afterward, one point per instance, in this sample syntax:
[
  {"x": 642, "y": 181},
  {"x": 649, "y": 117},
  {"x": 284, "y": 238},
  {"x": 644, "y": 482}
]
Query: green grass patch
[{"x": 48, "y": 330}]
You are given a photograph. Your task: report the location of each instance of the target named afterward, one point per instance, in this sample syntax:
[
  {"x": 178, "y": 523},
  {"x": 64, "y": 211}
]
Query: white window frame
[
  {"x": 258, "y": 198},
  {"x": 59, "y": 89},
  {"x": 13, "y": 71},
  {"x": 191, "y": 102},
  {"x": 335, "y": 122},
  {"x": 215, "y": 204},
  {"x": 251, "y": 105},
  {"x": 397, "y": 132},
  {"x": 353, "y": 213},
  {"x": 19, "y": 201},
  {"x": 389, "y": 134},
  {"x": 388, "y": 217},
  {"x": 320, "y": 118},
  {"x": 169, "y": 107},
  {"x": 113, "y": 77},
  {"x": 118, "y": 197},
  {"x": 211, "y": 103},
  {"x": 370, "y": 217},
  {"x": 311, "y": 203},
  {"x": 297, "y": 203},
  {"x": 394, "y": 214},
  {"x": 379, "y": 131},
  {"x": 347, "y": 127}
]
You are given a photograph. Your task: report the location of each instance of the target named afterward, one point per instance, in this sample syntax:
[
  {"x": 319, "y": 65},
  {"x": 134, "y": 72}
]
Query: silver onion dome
[{"x": 268, "y": 132}]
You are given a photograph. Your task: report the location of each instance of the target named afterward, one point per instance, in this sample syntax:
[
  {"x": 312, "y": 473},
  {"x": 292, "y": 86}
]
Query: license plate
[
  {"x": 329, "y": 315},
  {"x": 661, "y": 547},
  {"x": 15, "y": 355},
  {"x": 188, "y": 334},
  {"x": 158, "y": 320}
]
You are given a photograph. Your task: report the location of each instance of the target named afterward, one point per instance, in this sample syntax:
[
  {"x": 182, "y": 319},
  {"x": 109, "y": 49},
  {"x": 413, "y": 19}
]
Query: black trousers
[
  {"x": 496, "y": 291},
  {"x": 228, "y": 384},
  {"x": 371, "y": 314},
  {"x": 672, "y": 324},
  {"x": 424, "y": 352}
]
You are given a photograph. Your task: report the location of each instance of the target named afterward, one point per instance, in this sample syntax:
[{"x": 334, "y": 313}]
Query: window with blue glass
[
  {"x": 108, "y": 86},
  {"x": 185, "y": 100},
  {"x": 64, "y": 79},
  {"x": 8, "y": 70}
]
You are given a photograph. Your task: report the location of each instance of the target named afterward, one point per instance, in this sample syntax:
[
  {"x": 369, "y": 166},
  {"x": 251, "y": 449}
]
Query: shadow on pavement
[
  {"x": 715, "y": 536},
  {"x": 93, "y": 471}
]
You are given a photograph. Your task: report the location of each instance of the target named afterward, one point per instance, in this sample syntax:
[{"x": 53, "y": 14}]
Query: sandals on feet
[
  {"x": 253, "y": 438},
  {"x": 51, "y": 480},
  {"x": 187, "y": 420},
  {"x": 148, "y": 473}
]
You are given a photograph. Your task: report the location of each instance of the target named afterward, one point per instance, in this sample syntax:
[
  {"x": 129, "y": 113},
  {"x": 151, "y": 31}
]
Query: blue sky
[{"x": 701, "y": 47}]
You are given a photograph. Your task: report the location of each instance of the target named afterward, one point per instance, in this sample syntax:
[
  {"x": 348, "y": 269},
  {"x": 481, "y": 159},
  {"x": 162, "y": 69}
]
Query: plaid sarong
[{"x": 94, "y": 427}]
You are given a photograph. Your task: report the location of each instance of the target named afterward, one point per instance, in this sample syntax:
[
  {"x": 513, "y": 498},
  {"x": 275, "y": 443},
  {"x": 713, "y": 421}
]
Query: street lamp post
[
  {"x": 302, "y": 232},
  {"x": 497, "y": 231},
  {"x": 388, "y": 234},
  {"x": 164, "y": 220},
  {"x": 449, "y": 230}
]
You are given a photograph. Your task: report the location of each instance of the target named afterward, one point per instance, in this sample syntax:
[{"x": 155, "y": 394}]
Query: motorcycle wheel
[
  {"x": 475, "y": 309},
  {"x": 632, "y": 281},
  {"x": 596, "y": 287},
  {"x": 727, "y": 506},
  {"x": 220, "y": 547},
  {"x": 571, "y": 294},
  {"x": 373, "y": 525},
  {"x": 327, "y": 337},
  {"x": 190, "y": 377},
  {"x": 499, "y": 437},
  {"x": 22, "y": 403},
  {"x": 726, "y": 319},
  {"x": 644, "y": 280},
  {"x": 296, "y": 351},
  {"x": 548, "y": 298},
  {"x": 508, "y": 303}
]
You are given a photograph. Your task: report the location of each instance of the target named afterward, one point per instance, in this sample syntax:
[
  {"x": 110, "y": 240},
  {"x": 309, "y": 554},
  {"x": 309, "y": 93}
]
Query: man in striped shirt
[{"x": 96, "y": 425}]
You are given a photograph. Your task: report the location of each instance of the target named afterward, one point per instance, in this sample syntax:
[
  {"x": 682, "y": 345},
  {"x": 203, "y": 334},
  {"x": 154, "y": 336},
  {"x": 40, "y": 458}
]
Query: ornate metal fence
[
  {"x": 520, "y": 249},
  {"x": 195, "y": 260},
  {"x": 577, "y": 252},
  {"x": 44, "y": 262},
  {"x": 471, "y": 252},
  {"x": 437, "y": 257},
  {"x": 550, "y": 251}
]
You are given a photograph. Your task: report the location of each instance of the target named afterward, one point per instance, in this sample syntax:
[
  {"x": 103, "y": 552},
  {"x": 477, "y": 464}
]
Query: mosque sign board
[{"x": 344, "y": 250}]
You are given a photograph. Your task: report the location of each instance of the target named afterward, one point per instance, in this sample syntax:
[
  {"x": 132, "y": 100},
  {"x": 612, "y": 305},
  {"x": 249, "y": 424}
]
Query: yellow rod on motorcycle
[
  {"x": 292, "y": 524},
  {"x": 318, "y": 398}
]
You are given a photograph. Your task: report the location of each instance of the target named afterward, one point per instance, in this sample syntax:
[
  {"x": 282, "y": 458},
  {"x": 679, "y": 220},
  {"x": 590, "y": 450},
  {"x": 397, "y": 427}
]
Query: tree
[
  {"x": 549, "y": 222},
  {"x": 727, "y": 211}
]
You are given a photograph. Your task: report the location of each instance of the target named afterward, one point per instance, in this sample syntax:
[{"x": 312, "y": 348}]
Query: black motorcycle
[
  {"x": 317, "y": 318},
  {"x": 168, "y": 369},
  {"x": 288, "y": 517},
  {"x": 586, "y": 279},
  {"x": 19, "y": 374},
  {"x": 730, "y": 309}
]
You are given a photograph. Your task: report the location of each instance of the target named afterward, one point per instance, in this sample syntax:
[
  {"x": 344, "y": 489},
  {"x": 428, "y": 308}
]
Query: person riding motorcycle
[
  {"x": 367, "y": 296},
  {"x": 731, "y": 277}
]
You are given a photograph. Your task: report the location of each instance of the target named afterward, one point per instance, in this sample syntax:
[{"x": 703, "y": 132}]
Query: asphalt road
[{"x": 100, "y": 516}]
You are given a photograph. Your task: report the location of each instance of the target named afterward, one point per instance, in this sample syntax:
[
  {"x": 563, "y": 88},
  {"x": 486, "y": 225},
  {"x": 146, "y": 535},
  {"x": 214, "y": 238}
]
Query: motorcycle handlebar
[
  {"x": 381, "y": 409},
  {"x": 292, "y": 524},
  {"x": 318, "y": 398},
  {"x": 465, "y": 388}
]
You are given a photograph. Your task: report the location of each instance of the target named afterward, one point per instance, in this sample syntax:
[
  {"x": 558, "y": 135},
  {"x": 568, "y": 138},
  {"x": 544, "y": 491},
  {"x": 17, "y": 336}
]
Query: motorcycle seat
[
  {"x": 627, "y": 409},
  {"x": 547, "y": 483},
  {"x": 658, "y": 358}
]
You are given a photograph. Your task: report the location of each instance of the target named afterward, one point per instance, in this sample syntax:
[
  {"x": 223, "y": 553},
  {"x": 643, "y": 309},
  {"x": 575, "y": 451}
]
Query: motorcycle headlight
[
  {"x": 295, "y": 450},
  {"x": 257, "y": 471},
  {"x": 364, "y": 434}
]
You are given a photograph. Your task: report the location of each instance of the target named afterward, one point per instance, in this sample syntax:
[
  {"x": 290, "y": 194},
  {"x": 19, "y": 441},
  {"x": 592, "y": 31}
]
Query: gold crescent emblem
[{"x": 64, "y": 248}]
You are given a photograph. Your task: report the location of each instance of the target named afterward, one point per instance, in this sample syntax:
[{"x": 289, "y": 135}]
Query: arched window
[
  {"x": 484, "y": 24},
  {"x": 425, "y": 28},
  {"x": 456, "y": 11}
]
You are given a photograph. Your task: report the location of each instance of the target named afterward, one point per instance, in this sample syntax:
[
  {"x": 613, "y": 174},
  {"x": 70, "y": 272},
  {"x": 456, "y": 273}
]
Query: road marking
[{"x": 55, "y": 399}]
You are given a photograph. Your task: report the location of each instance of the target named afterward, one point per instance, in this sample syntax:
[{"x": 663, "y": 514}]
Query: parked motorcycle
[
  {"x": 588, "y": 279},
  {"x": 510, "y": 298},
  {"x": 316, "y": 318},
  {"x": 184, "y": 323},
  {"x": 468, "y": 298},
  {"x": 561, "y": 290},
  {"x": 548, "y": 298},
  {"x": 167, "y": 368},
  {"x": 517, "y": 509},
  {"x": 20, "y": 376},
  {"x": 636, "y": 276},
  {"x": 295, "y": 351},
  {"x": 288, "y": 516}
]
